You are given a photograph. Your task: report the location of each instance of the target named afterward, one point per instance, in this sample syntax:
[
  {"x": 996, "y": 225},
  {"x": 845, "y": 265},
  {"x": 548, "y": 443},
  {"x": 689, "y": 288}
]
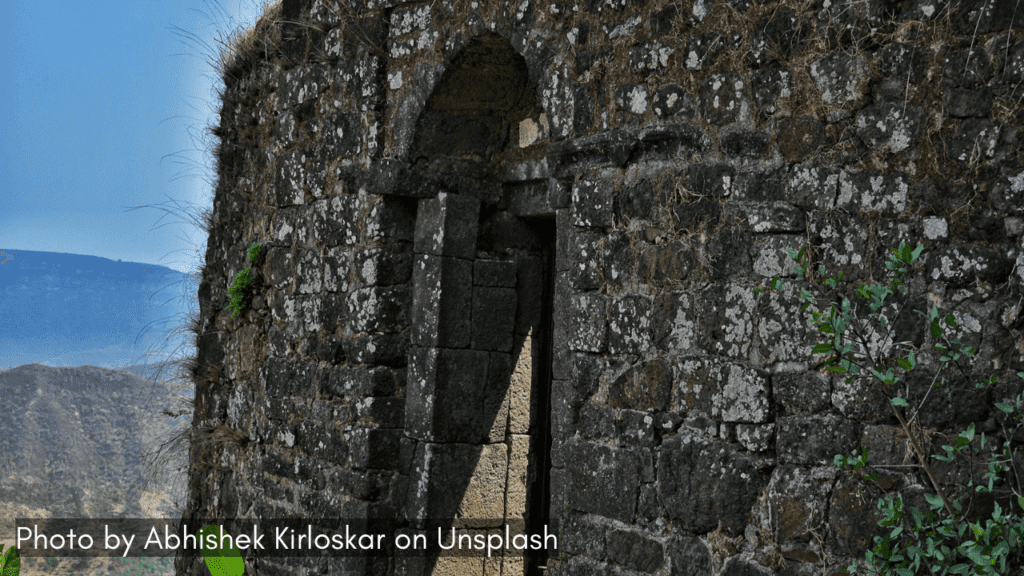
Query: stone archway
[{"x": 479, "y": 365}]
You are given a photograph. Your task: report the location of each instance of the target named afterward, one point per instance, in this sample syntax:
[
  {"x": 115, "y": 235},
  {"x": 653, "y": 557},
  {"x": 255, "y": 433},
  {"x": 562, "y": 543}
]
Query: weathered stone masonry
[{"x": 511, "y": 253}]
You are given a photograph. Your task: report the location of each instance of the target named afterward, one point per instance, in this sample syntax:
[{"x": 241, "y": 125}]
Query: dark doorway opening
[{"x": 539, "y": 496}]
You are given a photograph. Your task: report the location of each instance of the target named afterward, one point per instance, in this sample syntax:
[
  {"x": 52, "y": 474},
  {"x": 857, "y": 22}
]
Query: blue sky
[{"x": 105, "y": 106}]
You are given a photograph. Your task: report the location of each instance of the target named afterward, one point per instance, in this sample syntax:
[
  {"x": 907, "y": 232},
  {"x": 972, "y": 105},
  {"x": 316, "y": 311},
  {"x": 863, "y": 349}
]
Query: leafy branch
[{"x": 925, "y": 536}]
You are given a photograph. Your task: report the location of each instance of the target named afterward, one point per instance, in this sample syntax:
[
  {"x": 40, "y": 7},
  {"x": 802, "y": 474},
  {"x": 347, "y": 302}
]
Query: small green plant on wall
[
  {"x": 242, "y": 282},
  {"x": 944, "y": 538}
]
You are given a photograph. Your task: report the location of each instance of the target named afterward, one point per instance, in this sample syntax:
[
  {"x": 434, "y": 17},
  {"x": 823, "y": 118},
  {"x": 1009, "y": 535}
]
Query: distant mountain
[{"x": 70, "y": 309}]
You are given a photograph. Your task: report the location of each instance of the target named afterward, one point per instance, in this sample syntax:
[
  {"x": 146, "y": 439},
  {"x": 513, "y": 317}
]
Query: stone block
[
  {"x": 635, "y": 551},
  {"x": 459, "y": 481},
  {"x": 587, "y": 324},
  {"x": 723, "y": 390},
  {"x": 381, "y": 412},
  {"x": 646, "y": 386},
  {"x": 777, "y": 217},
  {"x": 448, "y": 396},
  {"x": 516, "y": 382},
  {"x": 715, "y": 181},
  {"x": 494, "y": 314},
  {"x": 725, "y": 317},
  {"x": 341, "y": 135},
  {"x": 375, "y": 448},
  {"x": 731, "y": 245},
  {"x": 799, "y": 137},
  {"x": 769, "y": 85},
  {"x": 379, "y": 309},
  {"x": 322, "y": 442},
  {"x": 581, "y": 536},
  {"x": 798, "y": 505},
  {"x": 518, "y": 479},
  {"x": 852, "y": 524},
  {"x": 635, "y": 428},
  {"x": 868, "y": 191},
  {"x": 442, "y": 301},
  {"x": 629, "y": 325},
  {"x": 801, "y": 392},
  {"x": 447, "y": 226},
  {"x": 592, "y": 203},
  {"x": 722, "y": 97},
  {"x": 386, "y": 266},
  {"x": 287, "y": 378},
  {"x": 362, "y": 382},
  {"x": 585, "y": 269},
  {"x": 605, "y": 148},
  {"x": 783, "y": 328},
  {"x": 746, "y": 144},
  {"x": 698, "y": 500},
  {"x": 290, "y": 179},
  {"x": 500, "y": 273},
  {"x": 609, "y": 490},
  {"x": 386, "y": 349},
  {"x": 538, "y": 198},
  {"x": 771, "y": 255},
  {"x": 756, "y": 437},
  {"x": 597, "y": 421},
  {"x": 815, "y": 440},
  {"x": 889, "y": 126},
  {"x": 689, "y": 556}
]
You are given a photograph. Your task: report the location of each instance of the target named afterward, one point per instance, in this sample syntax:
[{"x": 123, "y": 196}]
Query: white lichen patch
[
  {"x": 883, "y": 197},
  {"x": 807, "y": 181},
  {"x": 782, "y": 327},
  {"x": 739, "y": 322},
  {"x": 684, "y": 327},
  {"x": 841, "y": 247},
  {"x": 311, "y": 314},
  {"x": 954, "y": 264},
  {"x": 935, "y": 228},
  {"x": 744, "y": 397},
  {"x": 771, "y": 256},
  {"x": 755, "y": 437},
  {"x": 632, "y": 327},
  {"x": 638, "y": 100},
  {"x": 309, "y": 271},
  {"x": 405, "y": 21}
]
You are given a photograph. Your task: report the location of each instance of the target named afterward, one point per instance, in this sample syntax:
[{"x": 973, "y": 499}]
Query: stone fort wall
[{"x": 509, "y": 259}]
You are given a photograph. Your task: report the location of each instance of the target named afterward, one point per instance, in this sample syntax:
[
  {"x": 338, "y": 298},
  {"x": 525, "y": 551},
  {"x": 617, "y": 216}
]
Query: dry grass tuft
[{"x": 238, "y": 51}]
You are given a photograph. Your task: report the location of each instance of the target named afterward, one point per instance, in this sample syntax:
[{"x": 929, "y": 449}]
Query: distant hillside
[
  {"x": 72, "y": 441},
  {"x": 70, "y": 309}
]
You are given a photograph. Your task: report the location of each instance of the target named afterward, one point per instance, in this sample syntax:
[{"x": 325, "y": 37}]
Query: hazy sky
[{"x": 105, "y": 106}]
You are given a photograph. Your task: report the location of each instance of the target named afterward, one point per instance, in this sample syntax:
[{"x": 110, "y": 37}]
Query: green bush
[
  {"x": 242, "y": 282},
  {"x": 943, "y": 538}
]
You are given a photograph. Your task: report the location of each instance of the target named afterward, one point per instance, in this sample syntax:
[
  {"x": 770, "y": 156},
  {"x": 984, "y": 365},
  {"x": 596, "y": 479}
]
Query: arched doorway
[{"x": 479, "y": 367}]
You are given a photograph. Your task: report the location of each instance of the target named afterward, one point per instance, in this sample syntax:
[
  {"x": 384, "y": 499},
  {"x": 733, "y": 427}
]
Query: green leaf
[
  {"x": 821, "y": 348},
  {"x": 897, "y": 401},
  {"x": 965, "y": 437},
  {"x": 936, "y": 329},
  {"x": 221, "y": 562},
  {"x": 934, "y": 500},
  {"x": 1004, "y": 407},
  {"x": 905, "y": 252},
  {"x": 904, "y": 363},
  {"x": 837, "y": 369},
  {"x": 951, "y": 320},
  {"x": 10, "y": 562}
]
